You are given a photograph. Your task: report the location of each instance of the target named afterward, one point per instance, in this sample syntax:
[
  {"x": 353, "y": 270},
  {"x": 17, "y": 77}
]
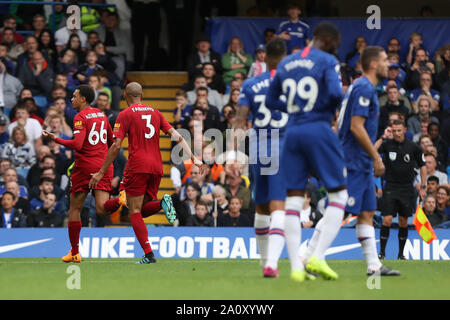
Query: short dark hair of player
[
  {"x": 10, "y": 193},
  {"x": 276, "y": 48},
  {"x": 86, "y": 92},
  {"x": 433, "y": 178},
  {"x": 370, "y": 54},
  {"x": 326, "y": 29}
]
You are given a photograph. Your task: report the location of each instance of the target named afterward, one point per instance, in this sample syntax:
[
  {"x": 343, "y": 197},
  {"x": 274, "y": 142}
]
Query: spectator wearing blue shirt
[
  {"x": 38, "y": 193},
  {"x": 182, "y": 110},
  {"x": 294, "y": 31},
  {"x": 9, "y": 175},
  {"x": 10, "y": 218},
  {"x": 353, "y": 57},
  {"x": 395, "y": 74},
  {"x": 443, "y": 200},
  {"x": 4, "y": 134},
  {"x": 425, "y": 89}
]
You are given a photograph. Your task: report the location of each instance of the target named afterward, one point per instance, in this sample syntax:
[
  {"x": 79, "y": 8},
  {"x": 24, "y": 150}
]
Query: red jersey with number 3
[
  {"x": 142, "y": 125},
  {"x": 92, "y": 136}
]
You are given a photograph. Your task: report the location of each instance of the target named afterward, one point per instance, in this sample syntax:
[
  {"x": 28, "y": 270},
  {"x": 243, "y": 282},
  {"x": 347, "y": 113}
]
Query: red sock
[
  {"x": 141, "y": 232},
  {"x": 111, "y": 205},
  {"x": 74, "y": 235},
  {"x": 150, "y": 208}
]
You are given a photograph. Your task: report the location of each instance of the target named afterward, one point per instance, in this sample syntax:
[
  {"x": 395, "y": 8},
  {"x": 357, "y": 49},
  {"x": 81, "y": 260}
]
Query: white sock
[
  {"x": 293, "y": 230},
  {"x": 262, "y": 223},
  {"x": 366, "y": 236},
  {"x": 331, "y": 222},
  {"x": 312, "y": 243},
  {"x": 276, "y": 238}
]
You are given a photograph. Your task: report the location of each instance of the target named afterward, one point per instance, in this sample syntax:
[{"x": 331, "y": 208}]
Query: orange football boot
[{"x": 71, "y": 258}]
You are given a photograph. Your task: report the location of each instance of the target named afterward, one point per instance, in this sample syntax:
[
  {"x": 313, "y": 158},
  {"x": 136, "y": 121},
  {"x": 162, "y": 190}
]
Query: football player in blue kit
[
  {"x": 310, "y": 80},
  {"x": 358, "y": 125},
  {"x": 268, "y": 132}
]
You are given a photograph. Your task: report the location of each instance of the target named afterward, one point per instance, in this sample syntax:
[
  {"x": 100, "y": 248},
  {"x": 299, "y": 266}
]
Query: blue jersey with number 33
[
  {"x": 253, "y": 95},
  {"x": 310, "y": 80}
]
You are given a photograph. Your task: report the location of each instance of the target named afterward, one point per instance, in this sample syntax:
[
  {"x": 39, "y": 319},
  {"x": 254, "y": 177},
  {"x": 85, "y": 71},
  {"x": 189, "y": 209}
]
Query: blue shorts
[
  {"x": 268, "y": 182},
  {"x": 312, "y": 149},
  {"x": 361, "y": 192}
]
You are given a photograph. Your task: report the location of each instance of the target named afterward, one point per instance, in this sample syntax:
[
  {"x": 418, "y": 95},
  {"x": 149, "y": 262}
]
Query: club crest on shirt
[
  {"x": 78, "y": 125},
  {"x": 406, "y": 158},
  {"x": 351, "y": 201},
  {"x": 392, "y": 156},
  {"x": 116, "y": 127},
  {"x": 364, "y": 102}
]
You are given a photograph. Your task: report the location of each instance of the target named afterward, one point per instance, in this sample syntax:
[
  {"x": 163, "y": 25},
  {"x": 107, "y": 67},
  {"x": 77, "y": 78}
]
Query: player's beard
[{"x": 382, "y": 73}]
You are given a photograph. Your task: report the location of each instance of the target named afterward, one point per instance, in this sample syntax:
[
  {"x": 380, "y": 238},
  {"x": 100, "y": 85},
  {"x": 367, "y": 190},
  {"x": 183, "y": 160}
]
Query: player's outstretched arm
[
  {"x": 75, "y": 144},
  {"x": 175, "y": 136},
  {"x": 113, "y": 152}
]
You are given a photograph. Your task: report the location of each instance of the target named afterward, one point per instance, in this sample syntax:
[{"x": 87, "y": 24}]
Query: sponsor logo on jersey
[{"x": 406, "y": 158}]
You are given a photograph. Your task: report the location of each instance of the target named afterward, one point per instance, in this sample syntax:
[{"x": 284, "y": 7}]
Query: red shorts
[
  {"x": 138, "y": 184},
  {"x": 80, "y": 178}
]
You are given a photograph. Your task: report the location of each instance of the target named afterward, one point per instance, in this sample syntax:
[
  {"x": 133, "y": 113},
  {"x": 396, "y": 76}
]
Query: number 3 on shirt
[
  {"x": 95, "y": 136},
  {"x": 148, "y": 118}
]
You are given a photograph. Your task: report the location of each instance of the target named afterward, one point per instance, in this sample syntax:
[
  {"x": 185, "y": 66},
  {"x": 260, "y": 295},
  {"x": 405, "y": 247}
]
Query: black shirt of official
[{"x": 400, "y": 160}]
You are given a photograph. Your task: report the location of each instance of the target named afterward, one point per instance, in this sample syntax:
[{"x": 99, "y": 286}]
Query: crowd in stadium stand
[
  {"x": 40, "y": 70},
  {"x": 416, "y": 92}
]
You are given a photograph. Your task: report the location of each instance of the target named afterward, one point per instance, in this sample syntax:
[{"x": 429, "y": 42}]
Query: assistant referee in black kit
[{"x": 401, "y": 157}]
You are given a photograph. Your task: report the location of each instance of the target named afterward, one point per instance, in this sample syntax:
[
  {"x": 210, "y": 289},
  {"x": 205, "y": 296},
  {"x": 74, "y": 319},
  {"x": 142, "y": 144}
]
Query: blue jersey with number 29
[{"x": 310, "y": 80}]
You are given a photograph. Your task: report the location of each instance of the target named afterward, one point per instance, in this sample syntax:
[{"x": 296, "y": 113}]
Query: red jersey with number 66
[
  {"x": 142, "y": 124},
  {"x": 92, "y": 136}
]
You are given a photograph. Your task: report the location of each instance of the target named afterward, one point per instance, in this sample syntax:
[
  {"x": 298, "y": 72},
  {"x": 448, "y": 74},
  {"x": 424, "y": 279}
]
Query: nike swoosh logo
[
  {"x": 12, "y": 247},
  {"x": 333, "y": 250},
  {"x": 343, "y": 248}
]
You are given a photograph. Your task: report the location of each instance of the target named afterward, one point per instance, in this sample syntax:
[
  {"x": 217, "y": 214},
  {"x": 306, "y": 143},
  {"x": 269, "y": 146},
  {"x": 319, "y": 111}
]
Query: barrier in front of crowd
[
  {"x": 196, "y": 242},
  {"x": 435, "y": 32}
]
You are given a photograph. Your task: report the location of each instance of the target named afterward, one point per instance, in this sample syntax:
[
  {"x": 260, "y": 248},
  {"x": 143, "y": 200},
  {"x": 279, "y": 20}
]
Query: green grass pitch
[{"x": 205, "y": 279}]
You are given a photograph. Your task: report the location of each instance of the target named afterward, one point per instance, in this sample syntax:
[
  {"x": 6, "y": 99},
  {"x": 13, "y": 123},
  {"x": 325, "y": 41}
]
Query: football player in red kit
[
  {"x": 144, "y": 170},
  {"x": 92, "y": 136}
]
